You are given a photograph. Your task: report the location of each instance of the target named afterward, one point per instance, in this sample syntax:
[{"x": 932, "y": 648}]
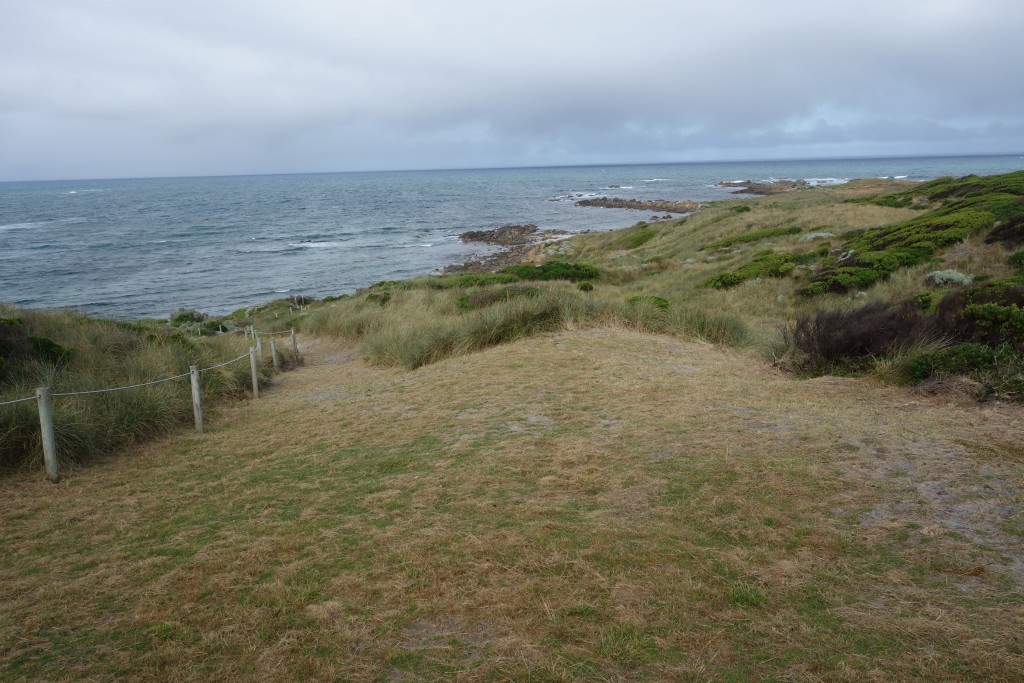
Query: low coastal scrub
[
  {"x": 960, "y": 208},
  {"x": 768, "y": 264},
  {"x": 69, "y": 352},
  {"x": 840, "y": 340},
  {"x": 976, "y": 332},
  {"x": 553, "y": 270}
]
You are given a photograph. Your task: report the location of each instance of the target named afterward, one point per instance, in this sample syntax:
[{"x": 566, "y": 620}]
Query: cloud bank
[{"x": 113, "y": 88}]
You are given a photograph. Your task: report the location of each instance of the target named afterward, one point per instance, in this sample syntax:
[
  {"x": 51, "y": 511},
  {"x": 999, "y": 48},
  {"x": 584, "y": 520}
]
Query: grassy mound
[{"x": 69, "y": 352}]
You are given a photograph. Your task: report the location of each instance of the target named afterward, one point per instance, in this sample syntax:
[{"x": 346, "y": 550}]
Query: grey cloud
[{"x": 112, "y": 87}]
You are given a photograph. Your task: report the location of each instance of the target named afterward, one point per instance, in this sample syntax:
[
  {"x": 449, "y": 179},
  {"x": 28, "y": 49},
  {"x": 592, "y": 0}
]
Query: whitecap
[
  {"x": 318, "y": 244},
  {"x": 657, "y": 180},
  {"x": 22, "y": 226},
  {"x": 281, "y": 291},
  {"x": 899, "y": 177},
  {"x": 826, "y": 181}
]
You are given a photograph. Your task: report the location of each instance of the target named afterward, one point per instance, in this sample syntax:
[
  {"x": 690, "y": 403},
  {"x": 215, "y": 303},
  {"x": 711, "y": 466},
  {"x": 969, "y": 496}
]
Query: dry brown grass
[{"x": 589, "y": 505}]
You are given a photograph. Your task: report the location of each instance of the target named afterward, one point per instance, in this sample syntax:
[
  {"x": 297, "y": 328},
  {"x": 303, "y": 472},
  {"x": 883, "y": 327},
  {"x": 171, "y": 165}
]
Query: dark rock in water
[
  {"x": 768, "y": 187},
  {"x": 614, "y": 187},
  {"x": 505, "y": 236},
  {"x": 682, "y": 206},
  {"x": 518, "y": 240}
]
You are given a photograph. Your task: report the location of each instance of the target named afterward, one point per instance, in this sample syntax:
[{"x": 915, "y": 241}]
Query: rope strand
[{"x": 17, "y": 400}]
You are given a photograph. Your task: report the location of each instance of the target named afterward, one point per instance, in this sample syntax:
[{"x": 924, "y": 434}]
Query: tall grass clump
[
  {"x": 69, "y": 352},
  {"x": 412, "y": 341}
]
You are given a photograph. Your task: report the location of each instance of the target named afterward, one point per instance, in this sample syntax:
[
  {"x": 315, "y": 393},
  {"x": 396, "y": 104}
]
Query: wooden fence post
[
  {"x": 295, "y": 345},
  {"x": 255, "y": 372},
  {"x": 273, "y": 355},
  {"x": 197, "y": 401},
  {"x": 46, "y": 425},
  {"x": 259, "y": 345}
]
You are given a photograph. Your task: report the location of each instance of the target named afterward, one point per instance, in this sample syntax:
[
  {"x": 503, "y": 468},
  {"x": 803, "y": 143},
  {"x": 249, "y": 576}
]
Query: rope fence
[
  {"x": 130, "y": 386},
  {"x": 44, "y": 397},
  {"x": 229, "y": 362},
  {"x": 17, "y": 400}
]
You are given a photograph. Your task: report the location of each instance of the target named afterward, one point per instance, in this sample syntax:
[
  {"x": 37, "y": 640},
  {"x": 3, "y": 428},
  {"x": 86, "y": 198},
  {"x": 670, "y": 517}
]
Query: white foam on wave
[
  {"x": 655, "y": 180},
  {"x": 900, "y": 177},
  {"x": 281, "y": 291},
  {"x": 325, "y": 244},
  {"x": 23, "y": 226}
]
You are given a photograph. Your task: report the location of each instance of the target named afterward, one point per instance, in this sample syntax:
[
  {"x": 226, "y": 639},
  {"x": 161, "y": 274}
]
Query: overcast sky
[{"x": 124, "y": 88}]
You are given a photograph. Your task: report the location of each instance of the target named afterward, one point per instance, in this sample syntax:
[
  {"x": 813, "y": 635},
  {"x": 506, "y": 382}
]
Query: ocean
[{"x": 133, "y": 248}]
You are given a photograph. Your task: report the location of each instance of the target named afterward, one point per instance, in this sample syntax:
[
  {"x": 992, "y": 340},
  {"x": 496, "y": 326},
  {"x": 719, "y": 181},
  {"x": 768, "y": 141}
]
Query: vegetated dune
[{"x": 594, "y": 504}]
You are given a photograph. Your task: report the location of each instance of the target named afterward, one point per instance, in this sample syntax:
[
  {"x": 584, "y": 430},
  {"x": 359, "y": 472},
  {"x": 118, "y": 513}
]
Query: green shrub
[
  {"x": 753, "y": 237},
  {"x": 742, "y": 208},
  {"x": 928, "y": 301},
  {"x": 1017, "y": 260},
  {"x": 768, "y": 264},
  {"x": 380, "y": 298},
  {"x": 1010, "y": 232},
  {"x": 990, "y": 313},
  {"x": 183, "y": 316},
  {"x": 585, "y": 286},
  {"x": 862, "y": 271},
  {"x": 955, "y": 360},
  {"x": 553, "y": 270},
  {"x": 49, "y": 351}
]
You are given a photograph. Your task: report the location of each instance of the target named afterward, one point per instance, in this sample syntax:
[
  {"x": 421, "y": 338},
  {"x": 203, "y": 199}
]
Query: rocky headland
[
  {"x": 519, "y": 242},
  {"x": 682, "y": 206}
]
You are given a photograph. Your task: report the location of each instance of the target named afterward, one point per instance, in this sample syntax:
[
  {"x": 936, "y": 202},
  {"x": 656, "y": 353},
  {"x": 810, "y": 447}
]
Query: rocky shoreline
[
  {"x": 662, "y": 205},
  {"x": 520, "y": 242},
  {"x": 765, "y": 187}
]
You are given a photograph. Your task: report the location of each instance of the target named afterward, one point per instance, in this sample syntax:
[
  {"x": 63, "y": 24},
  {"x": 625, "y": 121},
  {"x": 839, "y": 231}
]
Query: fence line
[
  {"x": 43, "y": 397},
  {"x": 17, "y": 400},
  {"x": 233, "y": 360},
  {"x": 130, "y": 386}
]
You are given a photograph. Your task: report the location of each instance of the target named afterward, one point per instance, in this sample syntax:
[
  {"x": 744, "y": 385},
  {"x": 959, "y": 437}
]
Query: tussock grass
[
  {"x": 598, "y": 504},
  {"x": 103, "y": 354},
  {"x": 420, "y": 326}
]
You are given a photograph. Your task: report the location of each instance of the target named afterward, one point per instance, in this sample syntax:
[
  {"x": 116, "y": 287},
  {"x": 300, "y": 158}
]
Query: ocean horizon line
[{"x": 474, "y": 169}]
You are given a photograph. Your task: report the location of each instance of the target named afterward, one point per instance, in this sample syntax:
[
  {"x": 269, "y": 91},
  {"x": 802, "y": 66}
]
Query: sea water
[{"x": 144, "y": 247}]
